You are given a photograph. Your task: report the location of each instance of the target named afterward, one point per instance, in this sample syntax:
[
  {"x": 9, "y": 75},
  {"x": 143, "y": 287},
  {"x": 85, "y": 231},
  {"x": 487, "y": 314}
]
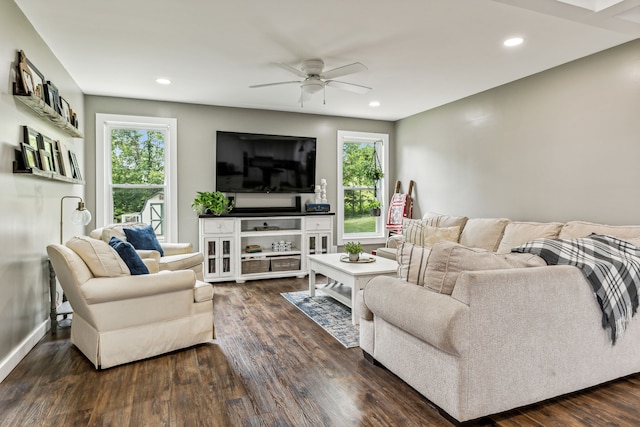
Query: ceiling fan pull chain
[{"x": 324, "y": 95}]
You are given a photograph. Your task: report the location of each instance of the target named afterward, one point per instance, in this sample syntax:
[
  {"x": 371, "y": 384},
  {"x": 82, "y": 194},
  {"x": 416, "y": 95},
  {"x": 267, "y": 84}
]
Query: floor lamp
[{"x": 79, "y": 216}]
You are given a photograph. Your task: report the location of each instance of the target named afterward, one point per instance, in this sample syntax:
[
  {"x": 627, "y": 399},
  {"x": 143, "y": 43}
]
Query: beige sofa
[
  {"x": 177, "y": 256},
  {"x": 504, "y": 337},
  {"x": 119, "y": 318}
]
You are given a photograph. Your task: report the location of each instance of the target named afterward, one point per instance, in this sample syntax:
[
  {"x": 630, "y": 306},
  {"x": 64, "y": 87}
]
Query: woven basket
[
  {"x": 285, "y": 263},
  {"x": 260, "y": 265}
]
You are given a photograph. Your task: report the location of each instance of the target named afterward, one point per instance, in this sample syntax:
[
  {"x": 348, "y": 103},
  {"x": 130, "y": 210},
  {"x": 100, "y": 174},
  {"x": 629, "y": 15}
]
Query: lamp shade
[{"x": 81, "y": 216}]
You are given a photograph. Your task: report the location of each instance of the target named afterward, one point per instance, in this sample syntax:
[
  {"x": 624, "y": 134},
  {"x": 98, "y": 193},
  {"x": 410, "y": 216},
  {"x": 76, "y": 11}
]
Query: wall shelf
[
  {"x": 42, "y": 109},
  {"x": 37, "y": 173}
]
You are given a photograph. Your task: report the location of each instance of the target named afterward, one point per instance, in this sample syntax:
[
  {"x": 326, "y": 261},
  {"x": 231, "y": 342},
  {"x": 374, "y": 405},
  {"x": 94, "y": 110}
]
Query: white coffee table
[{"x": 345, "y": 278}]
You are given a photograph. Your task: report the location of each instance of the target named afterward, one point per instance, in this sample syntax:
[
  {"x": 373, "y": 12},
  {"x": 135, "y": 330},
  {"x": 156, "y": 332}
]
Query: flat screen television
[{"x": 258, "y": 163}]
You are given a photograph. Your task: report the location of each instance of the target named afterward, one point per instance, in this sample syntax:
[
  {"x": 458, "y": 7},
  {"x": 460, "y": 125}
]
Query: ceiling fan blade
[
  {"x": 356, "y": 67},
  {"x": 291, "y": 69},
  {"x": 351, "y": 87},
  {"x": 275, "y": 84}
]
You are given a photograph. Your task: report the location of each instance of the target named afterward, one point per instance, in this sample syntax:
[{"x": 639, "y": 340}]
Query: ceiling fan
[{"x": 315, "y": 79}]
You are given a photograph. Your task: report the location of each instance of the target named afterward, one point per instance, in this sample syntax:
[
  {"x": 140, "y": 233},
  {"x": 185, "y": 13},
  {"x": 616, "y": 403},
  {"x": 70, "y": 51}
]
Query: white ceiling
[{"x": 420, "y": 54}]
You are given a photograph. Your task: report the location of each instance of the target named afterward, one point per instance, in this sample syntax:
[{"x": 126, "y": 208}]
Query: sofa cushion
[
  {"x": 483, "y": 233},
  {"x": 412, "y": 262},
  {"x": 442, "y": 220},
  {"x": 143, "y": 238},
  {"x": 517, "y": 233},
  {"x": 116, "y": 230},
  {"x": 413, "y": 230},
  {"x": 102, "y": 259},
  {"x": 448, "y": 259},
  {"x": 182, "y": 261},
  {"x": 576, "y": 229},
  {"x": 129, "y": 255}
]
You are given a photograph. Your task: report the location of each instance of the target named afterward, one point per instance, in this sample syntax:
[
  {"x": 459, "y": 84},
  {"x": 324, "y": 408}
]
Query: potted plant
[
  {"x": 374, "y": 207},
  {"x": 375, "y": 174},
  {"x": 213, "y": 202},
  {"x": 353, "y": 249}
]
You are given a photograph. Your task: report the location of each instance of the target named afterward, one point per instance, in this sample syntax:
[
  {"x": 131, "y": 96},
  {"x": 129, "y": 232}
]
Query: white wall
[
  {"x": 197, "y": 126},
  {"x": 29, "y": 207},
  {"x": 557, "y": 146}
]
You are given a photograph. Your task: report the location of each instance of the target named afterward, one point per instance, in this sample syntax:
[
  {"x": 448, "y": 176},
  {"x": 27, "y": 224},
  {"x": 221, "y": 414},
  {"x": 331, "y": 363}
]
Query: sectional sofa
[{"x": 479, "y": 330}]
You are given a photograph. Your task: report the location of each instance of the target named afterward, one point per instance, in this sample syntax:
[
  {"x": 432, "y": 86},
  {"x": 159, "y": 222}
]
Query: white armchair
[
  {"x": 177, "y": 256},
  {"x": 119, "y": 318}
]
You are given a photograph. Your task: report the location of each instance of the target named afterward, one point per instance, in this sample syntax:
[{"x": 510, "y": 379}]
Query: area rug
[{"x": 333, "y": 316}]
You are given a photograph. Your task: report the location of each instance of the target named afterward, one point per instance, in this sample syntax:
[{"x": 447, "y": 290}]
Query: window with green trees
[
  {"x": 136, "y": 164},
  {"x": 138, "y": 176},
  {"x": 362, "y": 186}
]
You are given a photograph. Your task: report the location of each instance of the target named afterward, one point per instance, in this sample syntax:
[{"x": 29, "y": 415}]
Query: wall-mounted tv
[{"x": 258, "y": 163}]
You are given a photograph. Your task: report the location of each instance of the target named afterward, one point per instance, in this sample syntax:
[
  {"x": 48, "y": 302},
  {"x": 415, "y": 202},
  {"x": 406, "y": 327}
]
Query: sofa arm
[
  {"x": 176, "y": 248},
  {"x": 107, "y": 289},
  {"x": 434, "y": 318},
  {"x": 152, "y": 265}
]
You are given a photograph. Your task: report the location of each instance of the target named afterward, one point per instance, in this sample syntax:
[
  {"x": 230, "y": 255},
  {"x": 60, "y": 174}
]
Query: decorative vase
[{"x": 354, "y": 257}]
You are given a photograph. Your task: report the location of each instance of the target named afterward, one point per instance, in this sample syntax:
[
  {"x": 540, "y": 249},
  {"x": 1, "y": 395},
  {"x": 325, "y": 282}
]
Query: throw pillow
[
  {"x": 102, "y": 259},
  {"x": 433, "y": 235},
  {"x": 143, "y": 238},
  {"x": 518, "y": 233},
  {"x": 412, "y": 262},
  {"x": 413, "y": 230},
  {"x": 447, "y": 260},
  {"x": 129, "y": 255}
]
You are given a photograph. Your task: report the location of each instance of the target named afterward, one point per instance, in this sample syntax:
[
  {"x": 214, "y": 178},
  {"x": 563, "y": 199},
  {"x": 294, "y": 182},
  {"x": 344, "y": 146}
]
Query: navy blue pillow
[
  {"x": 143, "y": 238},
  {"x": 129, "y": 255}
]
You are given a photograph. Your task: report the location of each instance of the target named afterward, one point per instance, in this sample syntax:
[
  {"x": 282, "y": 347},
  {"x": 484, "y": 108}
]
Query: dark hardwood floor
[{"x": 269, "y": 366}]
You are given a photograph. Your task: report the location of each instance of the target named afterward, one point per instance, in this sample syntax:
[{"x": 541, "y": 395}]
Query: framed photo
[
  {"x": 65, "y": 159},
  {"x": 45, "y": 160},
  {"x": 31, "y": 137},
  {"x": 46, "y": 144},
  {"x": 66, "y": 110},
  {"x": 75, "y": 166},
  {"x": 29, "y": 156},
  {"x": 31, "y": 78},
  {"x": 51, "y": 96}
]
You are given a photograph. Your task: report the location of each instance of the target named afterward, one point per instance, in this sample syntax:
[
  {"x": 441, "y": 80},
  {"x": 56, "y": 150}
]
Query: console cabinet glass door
[
  {"x": 219, "y": 258},
  {"x": 319, "y": 243}
]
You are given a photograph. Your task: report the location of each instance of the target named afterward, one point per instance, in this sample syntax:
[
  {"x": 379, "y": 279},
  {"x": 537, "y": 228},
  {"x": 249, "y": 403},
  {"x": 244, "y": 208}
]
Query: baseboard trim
[{"x": 11, "y": 361}]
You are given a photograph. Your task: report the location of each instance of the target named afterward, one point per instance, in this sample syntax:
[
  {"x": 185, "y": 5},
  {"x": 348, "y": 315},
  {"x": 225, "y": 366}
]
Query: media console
[{"x": 245, "y": 246}]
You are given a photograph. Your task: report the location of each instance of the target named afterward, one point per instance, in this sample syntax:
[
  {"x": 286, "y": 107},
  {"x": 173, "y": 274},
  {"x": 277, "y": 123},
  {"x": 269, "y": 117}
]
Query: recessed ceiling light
[
  {"x": 374, "y": 104},
  {"x": 163, "y": 81},
  {"x": 513, "y": 41}
]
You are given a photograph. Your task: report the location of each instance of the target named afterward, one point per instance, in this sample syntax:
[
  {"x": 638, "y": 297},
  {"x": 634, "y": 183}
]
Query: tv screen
[{"x": 257, "y": 163}]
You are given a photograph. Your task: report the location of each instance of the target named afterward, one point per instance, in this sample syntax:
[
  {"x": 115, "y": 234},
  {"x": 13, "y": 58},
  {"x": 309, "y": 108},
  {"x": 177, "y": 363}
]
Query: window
[
  {"x": 135, "y": 172},
  {"x": 362, "y": 164}
]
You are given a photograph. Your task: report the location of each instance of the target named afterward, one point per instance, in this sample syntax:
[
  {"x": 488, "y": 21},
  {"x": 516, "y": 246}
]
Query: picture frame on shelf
[
  {"x": 29, "y": 156},
  {"x": 45, "y": 160},
  {"x": 31, "y": 137},
  {"x": 65, "y": 159},
  {"x": 48, "y": 146},
  {"x": 51, "y": 96},
  {"x": 75, "y": 166},
  {"x": 66, "y": 110},
  {"x": 32, "y": 80}
]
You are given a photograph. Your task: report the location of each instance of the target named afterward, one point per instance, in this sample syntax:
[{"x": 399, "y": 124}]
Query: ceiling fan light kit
[{"x": 315, "y": 80}]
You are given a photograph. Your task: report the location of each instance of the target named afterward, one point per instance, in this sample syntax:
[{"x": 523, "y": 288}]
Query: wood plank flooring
[{"x": 269, "y": 366}]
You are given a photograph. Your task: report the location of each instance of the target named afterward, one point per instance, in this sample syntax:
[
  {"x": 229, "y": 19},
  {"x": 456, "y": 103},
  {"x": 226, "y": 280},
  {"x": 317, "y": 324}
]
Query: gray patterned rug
[{"x": 333, "y": 316}]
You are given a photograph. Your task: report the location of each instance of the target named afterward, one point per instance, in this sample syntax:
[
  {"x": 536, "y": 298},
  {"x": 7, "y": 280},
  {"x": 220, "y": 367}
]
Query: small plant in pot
[
  {"x": 374, "y": 207},
  {"x": 354, "y": 249},
  {"x": 213, "y": 202}
]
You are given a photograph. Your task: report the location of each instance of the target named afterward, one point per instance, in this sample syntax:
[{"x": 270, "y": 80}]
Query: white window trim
[
  {"x": 104, "y": 123},
  {"x": 365, "y": 238}
]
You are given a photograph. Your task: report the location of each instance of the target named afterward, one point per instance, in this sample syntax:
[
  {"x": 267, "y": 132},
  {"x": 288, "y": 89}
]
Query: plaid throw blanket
[{"x": 611, "y": 265}]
